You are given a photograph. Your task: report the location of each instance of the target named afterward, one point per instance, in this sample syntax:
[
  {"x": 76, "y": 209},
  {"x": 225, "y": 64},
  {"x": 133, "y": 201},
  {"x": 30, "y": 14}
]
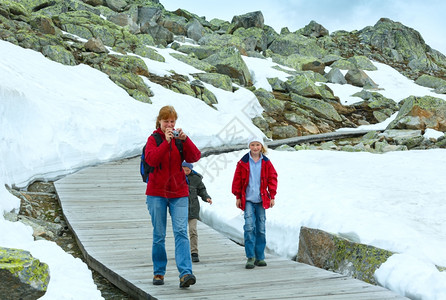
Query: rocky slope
[{"x": 92, "y": 32}]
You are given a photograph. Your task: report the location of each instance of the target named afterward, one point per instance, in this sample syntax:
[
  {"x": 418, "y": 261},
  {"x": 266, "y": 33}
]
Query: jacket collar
[{"x": 245, "y": 158}]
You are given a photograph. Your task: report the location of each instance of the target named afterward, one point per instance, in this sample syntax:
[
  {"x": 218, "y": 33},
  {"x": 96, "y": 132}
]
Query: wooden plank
[{"x": 105, "y": 207}]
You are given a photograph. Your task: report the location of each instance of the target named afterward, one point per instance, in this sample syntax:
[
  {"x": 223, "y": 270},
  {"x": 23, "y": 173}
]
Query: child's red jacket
[{"x": 268, "y": 181}]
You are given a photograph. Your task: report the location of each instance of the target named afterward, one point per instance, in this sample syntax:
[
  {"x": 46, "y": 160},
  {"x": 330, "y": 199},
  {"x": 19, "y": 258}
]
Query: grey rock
[{"x": 22, "y": 276}]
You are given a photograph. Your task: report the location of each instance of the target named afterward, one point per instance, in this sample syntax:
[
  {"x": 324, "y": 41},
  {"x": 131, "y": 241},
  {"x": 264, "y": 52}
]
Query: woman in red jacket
[
  {"x": 167, "y": 188},
  {"x": 254, "y": 186}
]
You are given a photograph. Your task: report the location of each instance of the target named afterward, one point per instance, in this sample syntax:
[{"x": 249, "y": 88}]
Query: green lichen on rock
[
  {"x": 14, "y": 8},
  {"x": 288, "y": 44},
  {"x": 421, "y": 113},
  {"x": 194, "y": 62},
  {"x": 320, "y": 108},
  {"x": 430, "y": 81},
  {"x": 19, "y": 269},
  {"x": 357, "y": 260},
  {"x": 341, "y": 255}
]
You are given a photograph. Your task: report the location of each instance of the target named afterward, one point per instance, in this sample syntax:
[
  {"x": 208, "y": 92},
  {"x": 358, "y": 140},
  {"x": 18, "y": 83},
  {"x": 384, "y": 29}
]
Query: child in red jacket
[{"x": 254, "y": 186}]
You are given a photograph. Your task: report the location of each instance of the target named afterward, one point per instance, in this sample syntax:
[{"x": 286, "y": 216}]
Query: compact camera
[{"x": 175, "y": 133}]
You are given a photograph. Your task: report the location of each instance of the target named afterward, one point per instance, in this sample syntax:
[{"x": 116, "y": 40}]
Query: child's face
[
  {"x": 255, "y": 147},
  {"x": 186, "y": 170}
]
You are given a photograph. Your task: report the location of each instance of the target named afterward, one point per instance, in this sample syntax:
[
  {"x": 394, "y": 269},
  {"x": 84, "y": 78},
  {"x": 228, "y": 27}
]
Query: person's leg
[
  {"x": 193, "y": 235},
  {"x": 249, "y": 229},
  {"x": 158, "y": 213},
  {"x": 179, "y": 212},
  {"x": 260, "y": 232}
]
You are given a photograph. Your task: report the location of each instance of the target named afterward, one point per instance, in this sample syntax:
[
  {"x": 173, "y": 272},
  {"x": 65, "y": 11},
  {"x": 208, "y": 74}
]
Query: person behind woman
[
  {"x": 255, "y": 186},
  {"x": 167, "y": 188},
  {"x": 196, "y": 188}
]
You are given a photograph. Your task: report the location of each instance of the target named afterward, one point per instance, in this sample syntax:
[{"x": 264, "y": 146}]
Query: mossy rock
[
  {"x": 194, "y": 62},
  {"x": 22, "y": 276},
  {"x": 339, "y": 254},
  {"x": 220, "y": 81},
  {"x": 429, "y": 112}
]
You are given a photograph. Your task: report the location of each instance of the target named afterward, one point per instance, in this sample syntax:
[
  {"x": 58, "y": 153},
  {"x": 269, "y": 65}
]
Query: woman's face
[{"x": 168, "y": 123}]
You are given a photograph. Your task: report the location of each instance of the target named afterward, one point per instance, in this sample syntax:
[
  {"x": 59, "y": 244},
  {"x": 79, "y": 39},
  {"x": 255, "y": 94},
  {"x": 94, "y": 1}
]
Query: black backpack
[{"x": 145, "y": 169}]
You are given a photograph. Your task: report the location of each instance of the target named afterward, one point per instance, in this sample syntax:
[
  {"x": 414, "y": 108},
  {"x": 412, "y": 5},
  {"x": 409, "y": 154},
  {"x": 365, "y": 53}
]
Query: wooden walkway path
[{"x": 105, "y": 208}]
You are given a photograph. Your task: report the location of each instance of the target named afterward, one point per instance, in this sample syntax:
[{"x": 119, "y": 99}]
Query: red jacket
[
  {"x": 268, "y": 181},
  {"x": 168, "y": 179}
]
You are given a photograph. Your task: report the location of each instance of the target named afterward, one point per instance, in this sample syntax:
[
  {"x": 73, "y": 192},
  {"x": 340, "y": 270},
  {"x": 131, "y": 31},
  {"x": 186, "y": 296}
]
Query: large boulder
[
  {"x": 314, "y": 29},
  {"x": 194, "y": 62},
  {"x": 220, "y": 81},
  {"x": 22, "y": 276},
  {"x": 174, "y": 23},
  {"x": 339, "y": 254},
  {"x": 268, "y": 102},
  {"x": 228, "y": 61},
  {"x": 305, "y": 85},
  {"x": 421, "y": 113},
  {"x": 335, "y": 76},
  {"x": 363, "y": 63},
  {"x": 399, "y": 43},
  {"x": 405, "y": 137},
  {"x": 199, "y": 52},
  {"x": 430, "y": 81},
  {"x": 320, "y": 108},
  {"x": 375, "y": 107},
  {"x": 359, "y": 78},
  {"x": 254, "y": 39},
  {"x": 195, "y": 30},
  {"x": 287, "y": 44},
  {"x": 148, "y": 15},
  {"x": 252, "y": 19}
]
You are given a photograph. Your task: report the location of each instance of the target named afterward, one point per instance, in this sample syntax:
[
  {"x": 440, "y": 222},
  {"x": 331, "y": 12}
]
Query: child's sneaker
[
  {"x": 260, "y": 263},
  {"x": 195, "y": 257},
  {"x": 250, "y": 263}
]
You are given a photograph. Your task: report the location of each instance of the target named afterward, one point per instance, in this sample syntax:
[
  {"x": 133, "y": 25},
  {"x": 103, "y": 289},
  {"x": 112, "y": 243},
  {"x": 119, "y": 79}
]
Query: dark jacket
[
  {"x": 168, "y": 179},
  {"x": 196, "y": 188},
  {"x": 268, "y": 181}
]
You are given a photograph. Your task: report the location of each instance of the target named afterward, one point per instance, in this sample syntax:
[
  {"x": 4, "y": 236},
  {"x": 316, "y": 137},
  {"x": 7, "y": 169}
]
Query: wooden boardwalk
[{"x": 105, "y": 208}]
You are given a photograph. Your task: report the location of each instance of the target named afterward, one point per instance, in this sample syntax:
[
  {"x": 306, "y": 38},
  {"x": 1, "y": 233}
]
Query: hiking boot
[
  {"x": 250, "y": 263},
  {"x": 158, "y": 280},
  {"x": 187, "y": 280},
  {"x": 195, "y": 257},
  {"x": 260, "y": 263}
]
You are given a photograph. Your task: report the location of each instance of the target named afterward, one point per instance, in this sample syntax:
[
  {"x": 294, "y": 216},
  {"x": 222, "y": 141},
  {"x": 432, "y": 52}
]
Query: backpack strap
[
  {"x": 179, "y": 145},
  {"x": 158, "y": 138}
]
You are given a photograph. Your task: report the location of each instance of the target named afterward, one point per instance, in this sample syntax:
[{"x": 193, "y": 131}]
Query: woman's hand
[
  {"x": 169, "y": 134},
  {"x": 181, "y": 136},
  {"x": 238, "y": 203}
]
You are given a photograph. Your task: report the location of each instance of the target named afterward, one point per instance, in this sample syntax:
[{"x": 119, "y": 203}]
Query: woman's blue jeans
[
  {"x": 255, "y": 233},
  {"x": 178, "y": 208}
]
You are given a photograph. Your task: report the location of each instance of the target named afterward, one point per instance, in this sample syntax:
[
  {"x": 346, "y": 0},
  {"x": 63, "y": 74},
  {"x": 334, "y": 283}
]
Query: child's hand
[
  {"x": 209, "y": 200},
  {"x": 272, "y": 203}
]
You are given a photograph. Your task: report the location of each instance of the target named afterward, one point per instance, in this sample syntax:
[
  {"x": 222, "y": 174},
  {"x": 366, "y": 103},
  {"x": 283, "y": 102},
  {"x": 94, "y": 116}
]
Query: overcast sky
[{"x": 425, "y": 16}]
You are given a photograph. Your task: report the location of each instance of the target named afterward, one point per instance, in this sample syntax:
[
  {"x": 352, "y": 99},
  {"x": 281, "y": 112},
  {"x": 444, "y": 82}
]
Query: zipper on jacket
[{"x": 170, "y": 166}]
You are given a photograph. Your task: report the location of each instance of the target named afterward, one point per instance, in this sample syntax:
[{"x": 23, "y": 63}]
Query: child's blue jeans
[{"x": 255, "y": 233}]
